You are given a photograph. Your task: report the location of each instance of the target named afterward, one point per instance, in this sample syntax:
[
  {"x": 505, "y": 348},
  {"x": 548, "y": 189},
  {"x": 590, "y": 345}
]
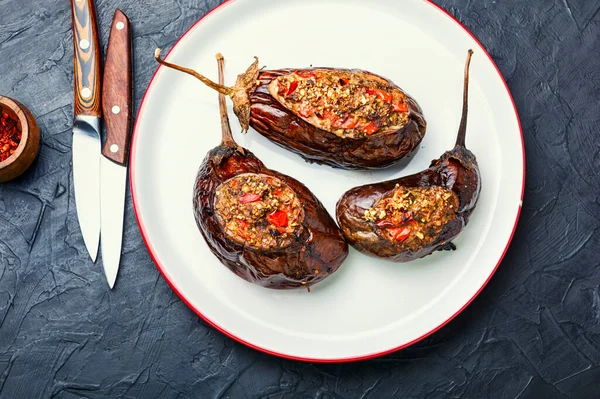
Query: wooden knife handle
[
  {"x": 87, "y": 58},
  {"x": 117, "y": 90}
]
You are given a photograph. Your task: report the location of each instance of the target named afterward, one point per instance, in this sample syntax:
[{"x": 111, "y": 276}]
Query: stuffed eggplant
[
  {"x": 266, "y": 227},
  {"x": 345, "y": 118},
  {"x": 411, "y": 217}
]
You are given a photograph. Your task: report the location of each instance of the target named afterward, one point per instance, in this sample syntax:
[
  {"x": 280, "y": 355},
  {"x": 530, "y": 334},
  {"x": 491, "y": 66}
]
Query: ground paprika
[{"x": 10, "y": 135}]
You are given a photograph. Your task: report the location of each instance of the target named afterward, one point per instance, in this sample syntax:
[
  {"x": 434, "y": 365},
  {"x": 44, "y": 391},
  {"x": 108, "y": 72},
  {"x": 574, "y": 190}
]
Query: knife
[
  {"x": 116, "y": 100},
  {"x": 86, "y": 124}
]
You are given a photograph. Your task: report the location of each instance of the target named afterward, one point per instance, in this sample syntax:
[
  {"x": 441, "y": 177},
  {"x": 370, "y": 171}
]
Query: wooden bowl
[{"x": 13, "y": 166}]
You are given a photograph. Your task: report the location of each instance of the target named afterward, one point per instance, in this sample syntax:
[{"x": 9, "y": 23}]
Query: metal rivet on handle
[
  {"x": 114, "y": 148},
  {"x": 116, "y": 109},
  {"x": 120, "y": 25},
  {"x": 86, "y": 92},
  {"x": 84, "y": 44}
]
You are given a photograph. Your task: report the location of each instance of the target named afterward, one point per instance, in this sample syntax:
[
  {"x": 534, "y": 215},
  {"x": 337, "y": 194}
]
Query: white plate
[{"x": 369, "y": 307}]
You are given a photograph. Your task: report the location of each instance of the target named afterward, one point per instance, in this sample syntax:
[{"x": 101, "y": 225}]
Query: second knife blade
[{"x": 116, "y": 99}]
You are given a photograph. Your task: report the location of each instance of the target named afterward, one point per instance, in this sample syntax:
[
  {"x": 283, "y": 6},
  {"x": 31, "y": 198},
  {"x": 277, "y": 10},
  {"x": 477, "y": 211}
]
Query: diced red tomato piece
[
  {"x": 293, "y": 87},
  {"x": 350, "y": 123},
  {"x": 243, "y": 224},
  {"x": 306, "y": 74},
  {"x": 400, "y": 108},
  {"x": 343, "y": 81},
  {"x": 369, "y": 128},
  {"x": 249, "y": 198},
  {"x": 278, "y": 218},
  {"x": 385, "y": 223},
  {"x": 400, "y": 234},
  {"x": 384, "y": 95}
]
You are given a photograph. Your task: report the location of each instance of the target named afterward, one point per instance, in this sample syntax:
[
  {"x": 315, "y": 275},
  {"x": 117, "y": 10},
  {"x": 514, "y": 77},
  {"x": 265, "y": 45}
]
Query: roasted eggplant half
[
  {"x": 411, "y": 217},
  {"x": 345, "y": 118},
  {"x": 266, "y": 227}
]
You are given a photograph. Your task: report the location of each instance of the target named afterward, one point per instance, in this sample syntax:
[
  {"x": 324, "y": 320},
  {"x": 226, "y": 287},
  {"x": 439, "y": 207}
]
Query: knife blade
[
  {"x": 116, "y": 99},
  {"x": 86, "y": 125}
]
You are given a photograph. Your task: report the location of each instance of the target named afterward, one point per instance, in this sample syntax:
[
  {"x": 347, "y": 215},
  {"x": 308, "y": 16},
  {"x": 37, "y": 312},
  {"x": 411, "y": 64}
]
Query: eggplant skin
[
  {"x": 275, "y": 122},
  {"x": 318, "y": 251},
  {"x": 456, "y": 170}
]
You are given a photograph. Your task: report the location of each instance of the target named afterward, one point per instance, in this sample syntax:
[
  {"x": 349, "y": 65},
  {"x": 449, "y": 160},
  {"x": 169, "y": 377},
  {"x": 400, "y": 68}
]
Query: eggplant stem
[
  {"x": 462, "y": 129},
  {"x": 215, "y": 86},
  {"x": 227, "y": 139}
]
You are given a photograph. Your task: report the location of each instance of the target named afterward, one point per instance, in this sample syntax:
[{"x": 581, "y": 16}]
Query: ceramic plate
[{"x": 368, "y": 307}]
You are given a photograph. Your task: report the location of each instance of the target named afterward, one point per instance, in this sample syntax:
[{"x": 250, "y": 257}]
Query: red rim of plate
[{"x": 283, "y": 355}]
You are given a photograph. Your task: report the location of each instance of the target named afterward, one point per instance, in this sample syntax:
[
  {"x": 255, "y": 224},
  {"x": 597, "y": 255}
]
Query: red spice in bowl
[
  {"x": 19, "y": 139},
  {"x": 10, "y": 135}
]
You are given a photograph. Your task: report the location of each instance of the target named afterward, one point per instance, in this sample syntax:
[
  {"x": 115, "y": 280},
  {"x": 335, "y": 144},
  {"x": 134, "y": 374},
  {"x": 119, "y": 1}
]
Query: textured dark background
[{"x": 534, "y": 332}]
